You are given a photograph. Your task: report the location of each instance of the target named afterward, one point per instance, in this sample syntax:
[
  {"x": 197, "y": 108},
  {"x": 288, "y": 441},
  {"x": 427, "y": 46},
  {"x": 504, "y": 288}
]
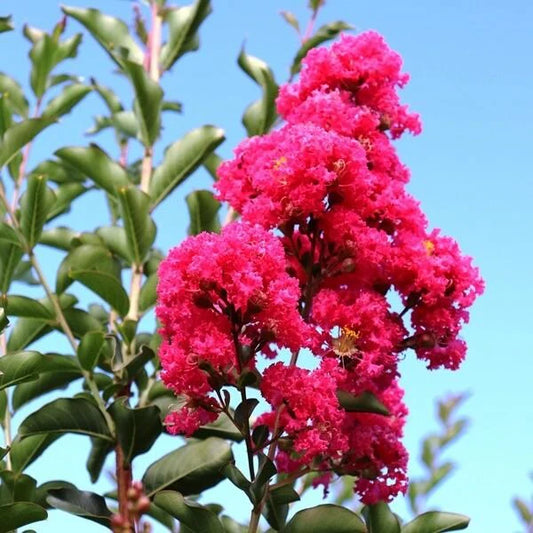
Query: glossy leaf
[
  {"x": 108, "y": 96},
  {"x": 100, "y": 449},
  {"x": 6, "y": 24},
  {"x": 380, "y": 519},
  {"x": 137, "y": 429},
  {"x": 10, "y": 256},
  {"x": 24, "y": 451},
  {"x": 65, "y": 194},
  {"x": 148, "y": 100},
  {"x": 81, "y": 322},
  {"x": 35, "y": 205},
  {"x": 86, "y": 257},
  {"x": 115, "y": 239},
  {"x": 211, "y": 164},
  {"x": 196, "y": 517},
  {"x": 80, "y": 503},
  {"x": 25, "y": 331},
  {"x": 66, "y": 415},
  {"x": 222, "y": 427},
  {"x": 96, "y": 165},
  {"x": 183, "y": 23},
  {"x": 203, "y": 212},
  {"x": 327, "y": 32},
  {"x": 16, "y": 305},
  {"x": 189, "y": 469},
  {"x": 140, "y": 228},
  {"x": 18, "y": 514},
  {"x": 325, "y": 518},
  {"x": 42, "y": 56},
  {"x": 59, "y": 171},
  {"x": 20, "y": 134},
  {"x": 148, "y": 295},
  {"x": 66, "y": 100},
  {"x": 19, "y": 367},
  {"x": 436, "y": 522},
  {"x": 64, "y": 371},
  {"x": 90, "y": 348},
  {"x": 365, "y": 402},
  {"x": 8, "y": 234},
  {"x": 16, "y": 487},
  {"x": 232, "y": 526},
  {"x": 181, "y": 159},
  {"x": 107, "y": 286},
  {"x": 111, "y": 33},
  {"x": 291, "y": 19},
  {"x": 260, "y": 115},
  {"x": 42, "y": 491},
  {"x": 14, "y": 95}
]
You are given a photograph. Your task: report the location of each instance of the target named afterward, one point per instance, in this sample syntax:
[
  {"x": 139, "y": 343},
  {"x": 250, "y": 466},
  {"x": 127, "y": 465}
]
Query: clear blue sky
[{"x": 471, "y": 81}]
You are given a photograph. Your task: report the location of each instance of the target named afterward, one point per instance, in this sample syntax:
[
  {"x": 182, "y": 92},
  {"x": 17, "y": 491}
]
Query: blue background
[{"x": 471, "y": 81}]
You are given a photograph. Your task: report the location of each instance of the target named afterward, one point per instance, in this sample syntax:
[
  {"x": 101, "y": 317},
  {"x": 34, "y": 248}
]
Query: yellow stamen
[
  {"x": 429, "y": 246},
  {"x": 279, "y": 162}
]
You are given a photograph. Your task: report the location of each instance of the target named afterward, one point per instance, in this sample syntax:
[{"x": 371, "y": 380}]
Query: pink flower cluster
[{"x": 328, "y": 233}]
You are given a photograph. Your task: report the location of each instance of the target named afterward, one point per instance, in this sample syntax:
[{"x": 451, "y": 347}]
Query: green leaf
[
  {"x": 96, "y": 165},
  {"x": 67, "y": 415},
  {"x": 6, "y": 24},
  {"x": 100, "y": 449},
  {"x": 66, "y": 100},
  {"x": 35, "y": 205},
  {"x": 380, "y": 519},
  {"x": 203, "y": 212},
  {"x": 81, "y": 322},
  {"x": 196, "y": 517},
  {"x": 115, "y": 239},
  {"x": 189, "y": 469},
  {"x": 42, "y": 57},
  {"x": 19, "y": 367},
  {"x": 42, "y": 491},
  {"x": 59, "y": 172},
  {"x": 18, "y": 514},
  {"x": 181, "y": 159},
  {"x": 291, "y": 19},
  {"x": 140, "y": 228},
  {"x": 16, "y": 487},
  {"x": 183, "y": 23},
  {"x": 232, "y": 526},
  {"x": 436, "y": 522},
  {"x": 148, "y": 295},
  {"x": 222, "y": 427},
  {"x": 32, "y": 34},
  {"x": 14, "y": 95},
  {"x": 90, "y": 348},
  {"x": 327, "y": 32},
  {"x": 275, "y": 513},
  {"x": 24, "y": 451},
  {"x": 325, "y": 518},
  {"x": 147, "y": 104},
  {"x": 81, "y": 503},
  {"x": 108, "y": 96},
  {"x": 85, "y": 257},
  {"x": 137, "y": 429},
  {"x": 111, "y": 33},
  {"x": 16, "y": 305},
  {"x": 107, "y": 286},
  {"x": 65, "y": 194},
  {"x": 56, "y": 371},
  {"x": 211, "y": 164},
  {"x": 8, "y": 234},
  {"x": 365, "y": 402},
  {"x": 25, "y": 331},
  {"x": 20, "y": 134},
  {"x": 10, "y": 256},
  {"x": 261, "y": 114}
]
